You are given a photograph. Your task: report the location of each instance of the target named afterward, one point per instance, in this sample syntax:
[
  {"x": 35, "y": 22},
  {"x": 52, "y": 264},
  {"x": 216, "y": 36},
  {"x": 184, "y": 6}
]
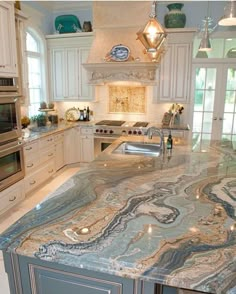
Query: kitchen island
[{"x": 131, "y": 224}]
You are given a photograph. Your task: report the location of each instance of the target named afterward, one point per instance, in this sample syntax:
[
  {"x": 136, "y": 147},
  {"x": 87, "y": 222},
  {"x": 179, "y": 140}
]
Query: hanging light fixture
[
  {"x": 229, "y": 18},
  {"x": 153, "y": 35},
  {"x": 205, "y": 44}
]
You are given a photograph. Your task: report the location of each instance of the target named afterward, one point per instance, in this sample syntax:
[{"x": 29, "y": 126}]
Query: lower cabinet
[
  {"x": 71, "y": 146},
  {"x": 33, "y": 276},
  {"x": 59, "y": 150},
  {"x": 39, "y": 157},
  {"x": 11, "y": 196},
  {"x": 86, "y": 144}
]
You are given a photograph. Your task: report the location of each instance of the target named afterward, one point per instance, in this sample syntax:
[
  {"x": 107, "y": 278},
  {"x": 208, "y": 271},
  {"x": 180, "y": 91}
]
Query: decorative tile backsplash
[{"x": 127, "y": 99}]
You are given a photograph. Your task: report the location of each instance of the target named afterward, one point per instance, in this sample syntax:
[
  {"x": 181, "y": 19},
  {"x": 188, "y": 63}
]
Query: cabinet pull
[
  {"x": 3, "y": 66},
  {"x": 30, "y": 165},
  {"x": 49, "y": 140},
  {"x": 32, "y": 183},
  {"x": 27, "y": 149},
  {"x": 13, "y": 199},
  {"x": 50, "y": 171},
  {"x": 50, "y": 154}
]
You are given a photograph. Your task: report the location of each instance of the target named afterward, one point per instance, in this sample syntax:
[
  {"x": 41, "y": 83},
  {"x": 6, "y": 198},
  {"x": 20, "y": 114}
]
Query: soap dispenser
[{"x": 169, "y": 142}]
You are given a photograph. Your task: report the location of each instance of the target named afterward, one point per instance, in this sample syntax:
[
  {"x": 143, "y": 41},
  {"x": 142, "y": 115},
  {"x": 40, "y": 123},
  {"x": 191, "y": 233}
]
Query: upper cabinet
[
  {"x": 8, "y": 66},
  {"x": 68, "y": 78},
  {"x": 175, "y": 68}
]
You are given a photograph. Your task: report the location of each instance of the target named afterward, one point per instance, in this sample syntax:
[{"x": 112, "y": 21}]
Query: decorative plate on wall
[
  {"x": 67, "y": 24},
  {"x": 118, "y": 53}
]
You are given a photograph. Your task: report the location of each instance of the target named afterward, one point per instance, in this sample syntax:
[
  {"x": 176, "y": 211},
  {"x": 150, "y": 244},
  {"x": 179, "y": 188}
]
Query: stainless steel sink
[{"x": 139, "y": 148}]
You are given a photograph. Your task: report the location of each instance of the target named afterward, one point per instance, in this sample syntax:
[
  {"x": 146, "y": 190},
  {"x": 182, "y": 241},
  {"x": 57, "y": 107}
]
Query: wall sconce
[
  {"x": 229, "y": 18},
  {"x": 153, "y": 35}
]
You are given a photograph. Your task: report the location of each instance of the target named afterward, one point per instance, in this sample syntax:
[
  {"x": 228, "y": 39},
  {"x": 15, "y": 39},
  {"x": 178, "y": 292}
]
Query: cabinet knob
[
  {"x": 30, "y": 165},
  {"x": 32, "y": 183}
]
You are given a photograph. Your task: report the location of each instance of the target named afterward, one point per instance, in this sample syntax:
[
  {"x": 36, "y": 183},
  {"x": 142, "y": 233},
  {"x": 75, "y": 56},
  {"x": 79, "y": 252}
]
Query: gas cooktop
[
  {"x": 115, "y": 123},
  {"x": 118, "y": 123}
]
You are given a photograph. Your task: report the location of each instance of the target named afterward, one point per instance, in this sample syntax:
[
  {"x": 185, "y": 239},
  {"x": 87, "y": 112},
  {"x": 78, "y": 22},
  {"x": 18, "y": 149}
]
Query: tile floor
[{"x": 19, "y": 210}]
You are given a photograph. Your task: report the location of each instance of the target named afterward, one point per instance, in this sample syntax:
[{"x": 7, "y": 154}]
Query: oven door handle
[{"x": 11, "y": 147}]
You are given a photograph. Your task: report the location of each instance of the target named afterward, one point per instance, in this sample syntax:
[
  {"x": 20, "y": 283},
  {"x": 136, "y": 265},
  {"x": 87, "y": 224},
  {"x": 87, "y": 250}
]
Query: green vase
[{"x": 175, "y": 18}]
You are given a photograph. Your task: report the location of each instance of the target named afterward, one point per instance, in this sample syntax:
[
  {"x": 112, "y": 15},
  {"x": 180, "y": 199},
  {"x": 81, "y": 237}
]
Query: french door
[{"x": 214, "y": 102}]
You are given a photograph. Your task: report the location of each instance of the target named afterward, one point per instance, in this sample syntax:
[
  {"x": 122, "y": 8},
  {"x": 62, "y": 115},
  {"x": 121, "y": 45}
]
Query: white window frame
[{"x": 39, "y": 38}]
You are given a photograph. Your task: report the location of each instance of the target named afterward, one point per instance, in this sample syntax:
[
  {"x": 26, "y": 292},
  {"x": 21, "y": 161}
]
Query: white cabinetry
[
  {"x": 86, "y": 144},
  {"x": 59, "y": 150},
  {"x": 11, "y": 196},
  {"x": 8, "y": 40},
  {"x": 68, "y": 77},
  {"x": 72, "y": 145},
  {"x": 175, "y": 68},
  {"x": 39, "y": 158}
]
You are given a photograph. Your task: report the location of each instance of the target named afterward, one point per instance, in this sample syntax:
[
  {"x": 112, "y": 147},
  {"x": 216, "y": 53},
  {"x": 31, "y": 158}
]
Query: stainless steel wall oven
[
  {"x": 11, "y": 164},
  {"x": 10, "y": 124}
]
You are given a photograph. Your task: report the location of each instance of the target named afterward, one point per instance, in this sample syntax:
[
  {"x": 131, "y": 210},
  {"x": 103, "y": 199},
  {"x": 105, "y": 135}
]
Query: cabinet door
[
  {"x": 175, "y": 73},
  {"x": 86, "y": 90},
  {"x": 71, "y": 75},
  {"x": 8, "y": 39},
  {"x": 57, "y": 74},
  {"x": 87, "y": 148},
  {"x": 71, "y": 146},
  {"x": 59, "y": 159}
]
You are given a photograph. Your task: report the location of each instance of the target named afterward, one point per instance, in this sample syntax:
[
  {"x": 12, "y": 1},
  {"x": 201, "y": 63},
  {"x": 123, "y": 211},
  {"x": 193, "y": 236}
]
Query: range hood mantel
[{"x": 99, "y": 73}]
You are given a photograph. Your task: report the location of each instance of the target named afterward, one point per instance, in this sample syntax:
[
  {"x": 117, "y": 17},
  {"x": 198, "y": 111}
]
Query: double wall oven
[
  {"x": 107, "y": 131},
  {"x": 11, "y": 153}
]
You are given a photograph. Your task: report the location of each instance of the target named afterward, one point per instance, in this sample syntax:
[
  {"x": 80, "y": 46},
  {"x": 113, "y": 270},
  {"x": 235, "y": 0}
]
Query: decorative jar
[{"x": 175, "y": 18}]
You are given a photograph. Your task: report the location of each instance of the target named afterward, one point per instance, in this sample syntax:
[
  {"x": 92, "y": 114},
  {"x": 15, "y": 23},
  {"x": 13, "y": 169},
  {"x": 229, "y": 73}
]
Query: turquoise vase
[{"x": 175, "y": 18}]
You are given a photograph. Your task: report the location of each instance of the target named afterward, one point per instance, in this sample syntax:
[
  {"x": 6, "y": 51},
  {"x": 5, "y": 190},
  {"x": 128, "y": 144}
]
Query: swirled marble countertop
[{"x": 170, "y": 219}]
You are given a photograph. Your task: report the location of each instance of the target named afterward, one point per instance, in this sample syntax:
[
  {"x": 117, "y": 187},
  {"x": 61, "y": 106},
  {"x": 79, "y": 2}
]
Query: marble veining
[{"x": 170, "y": 219}]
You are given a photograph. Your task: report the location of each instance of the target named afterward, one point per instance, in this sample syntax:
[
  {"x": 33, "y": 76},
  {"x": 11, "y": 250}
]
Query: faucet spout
[{"x": 153, "y": 130}]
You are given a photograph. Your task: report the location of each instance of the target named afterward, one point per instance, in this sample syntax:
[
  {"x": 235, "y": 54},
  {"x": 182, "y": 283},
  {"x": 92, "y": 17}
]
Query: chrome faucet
[{"x": 153, "y": 130}]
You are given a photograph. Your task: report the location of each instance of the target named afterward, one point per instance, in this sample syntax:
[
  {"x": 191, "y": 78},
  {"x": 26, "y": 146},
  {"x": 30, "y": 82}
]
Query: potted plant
[{"x": 40, "y": 119}]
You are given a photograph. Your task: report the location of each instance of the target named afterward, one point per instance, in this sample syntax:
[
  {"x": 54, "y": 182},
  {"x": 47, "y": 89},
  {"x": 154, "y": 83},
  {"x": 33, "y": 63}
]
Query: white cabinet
[
  {"x": 8, "y": 66},
  {"x": 20, "y": 20},
  {"x": 59, "y": 150},
  {"x": 39, "y": 157},
  {"x": 175, "y": 68},
  {"x": 11, "y": 196},
  {"x": 69, "y": 80},
  {"x": 72, "y": 145},
  {"x": 86, "y": 144}
]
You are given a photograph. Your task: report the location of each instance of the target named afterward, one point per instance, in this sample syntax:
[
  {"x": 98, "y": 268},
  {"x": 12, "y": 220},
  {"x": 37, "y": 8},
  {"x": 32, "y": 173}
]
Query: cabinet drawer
[
  {"x": 11, "y": 196},
  {"x": 58, "y": 137},
  {"x": 46, "y": 142},
  {"x": 47, "y": 154},
  {"x": 33, "y": 181},
  {"x": 86, "y": 131},
  {"x": 31, "y": 149},
  {"x": 31, "y": 163}
]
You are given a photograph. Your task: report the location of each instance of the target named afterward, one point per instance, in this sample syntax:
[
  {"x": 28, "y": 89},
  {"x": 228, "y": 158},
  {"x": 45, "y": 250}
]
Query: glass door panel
[
  {"x": 229, "y": 115},
  {"x": 204, "y": 101}
]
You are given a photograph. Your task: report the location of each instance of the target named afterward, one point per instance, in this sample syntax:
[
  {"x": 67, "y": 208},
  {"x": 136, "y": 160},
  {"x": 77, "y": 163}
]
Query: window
[{"x": 35, "y": 61}]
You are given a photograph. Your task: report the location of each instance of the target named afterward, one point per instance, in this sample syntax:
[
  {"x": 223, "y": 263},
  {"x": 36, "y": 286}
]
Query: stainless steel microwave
[{"x": 10, "y": 122}]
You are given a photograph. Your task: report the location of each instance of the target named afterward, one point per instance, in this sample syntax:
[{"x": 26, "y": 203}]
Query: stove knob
[
  {"x": 111, "y": 132},
  {"x": 139, "y": 132},
  {"x": 97, "y": 130},
  {"x": 105, "y": 131},
  {"x": 129, "y": 132},
  {"x": 101, "y": 131},
  {"x": 134, "y": 132}
]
